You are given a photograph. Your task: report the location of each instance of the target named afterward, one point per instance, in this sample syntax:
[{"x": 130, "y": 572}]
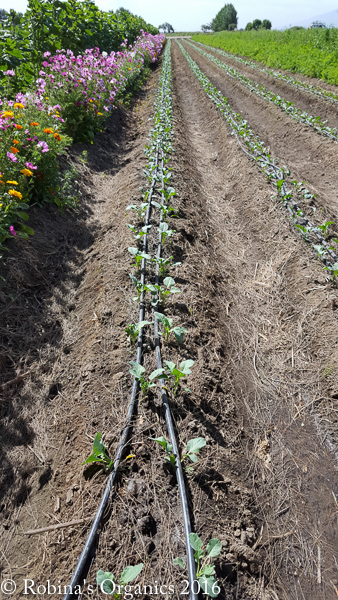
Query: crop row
[
  {"x": 72, "y": 98},
  {"x": 255, "y": 148},
  {"x": 312, "y": 52},
  {"x": 315, "y": 90},
  {"x": 299, "y": 115},
  {"x": 151, "y": 265}
]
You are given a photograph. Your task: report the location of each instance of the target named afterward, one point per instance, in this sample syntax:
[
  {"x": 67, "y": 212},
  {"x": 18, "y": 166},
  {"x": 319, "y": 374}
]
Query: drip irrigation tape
[
  {"x": 125, "y": 433},
  {"x": 173, "y": 441}
]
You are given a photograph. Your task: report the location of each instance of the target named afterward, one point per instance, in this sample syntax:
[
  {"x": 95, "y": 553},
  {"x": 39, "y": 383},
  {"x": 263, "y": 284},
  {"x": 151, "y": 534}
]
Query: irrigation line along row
[
  {"x": 172, "y": 437},
  {"x": 314, "y": 90},
  {"x": 299, "y": 115},
  {"x": 242, "y": 131},
  {"x": 131, "y": 410}
]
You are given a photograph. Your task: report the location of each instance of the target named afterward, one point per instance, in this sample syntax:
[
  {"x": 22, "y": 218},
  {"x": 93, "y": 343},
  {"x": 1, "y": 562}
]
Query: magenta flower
[
  {"x": 10, "y": 72},
  {"x": 43, "y": 146},
  {"x": 12, "y": 230},
  {"x": 12, "y": 157},
  {"x": 29, "y": 165}
]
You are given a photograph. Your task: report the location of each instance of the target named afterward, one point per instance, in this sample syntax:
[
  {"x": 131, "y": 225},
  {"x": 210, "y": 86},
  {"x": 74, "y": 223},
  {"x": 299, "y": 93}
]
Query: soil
[
  {"x": 262, "y": 323},
  {"x": 311, "y": 158}
]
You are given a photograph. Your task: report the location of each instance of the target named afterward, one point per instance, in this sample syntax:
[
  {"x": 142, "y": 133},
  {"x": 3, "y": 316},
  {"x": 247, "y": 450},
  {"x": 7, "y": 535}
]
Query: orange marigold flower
[
  {"x": 26, "y": 172},
  {"x": 15, "y": 193},
  {"x": 19, "y": 105},
  {"x": 14, "y": 150},
  {"x": 57, "y": 137},
  {"x": 3, "y": 183},
  {"x": 16, "y": 142},
  {"x": 100, "y": 114},
  {"x": 7, "y": 114},
  {"x": 18, "y": 126},
  {"x": 12, "y": 182},
  {"x": 48, "y": 130},
  {"x": 34, "y": 124}
]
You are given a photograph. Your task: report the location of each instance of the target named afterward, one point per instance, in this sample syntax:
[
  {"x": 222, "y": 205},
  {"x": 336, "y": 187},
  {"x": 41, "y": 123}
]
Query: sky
[{"x": 189, "y": 15}]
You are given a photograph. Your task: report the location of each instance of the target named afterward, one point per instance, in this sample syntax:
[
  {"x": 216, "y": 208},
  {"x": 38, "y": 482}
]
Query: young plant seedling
[
  {"x": 168, "y": 328},
  {"x": 139, "y": 234},
  {"x": 166, "y": 210},
  {"x": 139, "y": 373},
  {"x": 108, "y": 586},
  {"x": 162, "y": 291},
  {"x": 170, "y": 457},
  {"x": 140, "y": 209},
  {"x": 204, "y": 569},
  {"x": 139, "y": 287},
  {"x": 134, "y": 329},
  {"x": 99, "y": 454},
  {"x": 138, "y": 255},
  {"x": 165, "y": 231},
  {"x": 164, "y": 264},
  {"x": 192, "y": 448},
  {"x": 325, "y": 226},
  {"x": 178, "y": 373}
]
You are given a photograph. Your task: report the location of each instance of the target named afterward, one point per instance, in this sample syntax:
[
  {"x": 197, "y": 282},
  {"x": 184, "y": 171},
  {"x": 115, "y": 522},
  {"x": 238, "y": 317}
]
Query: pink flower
[
  {"x": 12, "y": 157},
  {"x": 30, "y": 166},
  {"x": 12, "y": 230},
  {"x": 43, "y": 146}
]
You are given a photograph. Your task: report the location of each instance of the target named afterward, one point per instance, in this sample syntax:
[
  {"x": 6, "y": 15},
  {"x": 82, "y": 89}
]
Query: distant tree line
[{"x": 257, "y": 24}]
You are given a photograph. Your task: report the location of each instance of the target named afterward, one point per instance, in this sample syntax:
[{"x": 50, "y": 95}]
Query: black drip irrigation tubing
[
  {"x": 173, "y": 440},
  {"x": 85, "y": 554},
  {"x": 290, "y": 205},
  {"x": 126, "y": 431}
]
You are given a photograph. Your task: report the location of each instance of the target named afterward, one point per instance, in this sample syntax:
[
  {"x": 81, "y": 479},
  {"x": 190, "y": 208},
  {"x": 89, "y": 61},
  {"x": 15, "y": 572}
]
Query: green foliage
[
  {"x": 172, "y": 371},
  {"x": 134, "y": 329},
  {"x": 192, "y": 448},
  {"x": 99, "y": 454},
  {"x": 313, "y": 52},
  {"x": 225, "y": 17},
  {"x": 168, "y": 328},
  {"x": 108, "y": 586},
  {"x": 205, "y": 570},
  {"x": 49, "y": 25}
]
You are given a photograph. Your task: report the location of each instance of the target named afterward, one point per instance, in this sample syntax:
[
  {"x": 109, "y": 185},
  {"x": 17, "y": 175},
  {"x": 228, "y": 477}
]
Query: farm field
[
  {"x": 208, "y": 216},
  {"x": 312, "y": 52}
]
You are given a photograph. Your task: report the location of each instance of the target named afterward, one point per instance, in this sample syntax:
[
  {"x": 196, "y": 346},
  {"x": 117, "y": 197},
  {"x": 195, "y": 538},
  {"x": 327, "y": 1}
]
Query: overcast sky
[{"x": 189, "y": 15}]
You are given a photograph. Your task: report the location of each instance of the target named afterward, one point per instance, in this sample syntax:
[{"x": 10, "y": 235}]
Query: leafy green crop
[
  {"x": 138, "y": 371},
  {"x": 312, "y": 52},
  {"x": 99, "y": 454},
  {"x": 161, "y": 292},
  {"x": 205, "y": 570},
  {"x": 138, "y": 255},
  {"x": 134, "y": 329},
  {"x": 164, "y": 264},
  {"x": 168, "y": 328},
  {"x": 108, "y": 585},
  {"x": 171, "y": 371},
  {"x": 193, "y": 447}
]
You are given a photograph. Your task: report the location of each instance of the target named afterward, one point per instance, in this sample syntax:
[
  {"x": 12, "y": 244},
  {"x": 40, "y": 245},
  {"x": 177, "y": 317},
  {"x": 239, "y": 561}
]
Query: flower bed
[{"x": 73, "y": 97}]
